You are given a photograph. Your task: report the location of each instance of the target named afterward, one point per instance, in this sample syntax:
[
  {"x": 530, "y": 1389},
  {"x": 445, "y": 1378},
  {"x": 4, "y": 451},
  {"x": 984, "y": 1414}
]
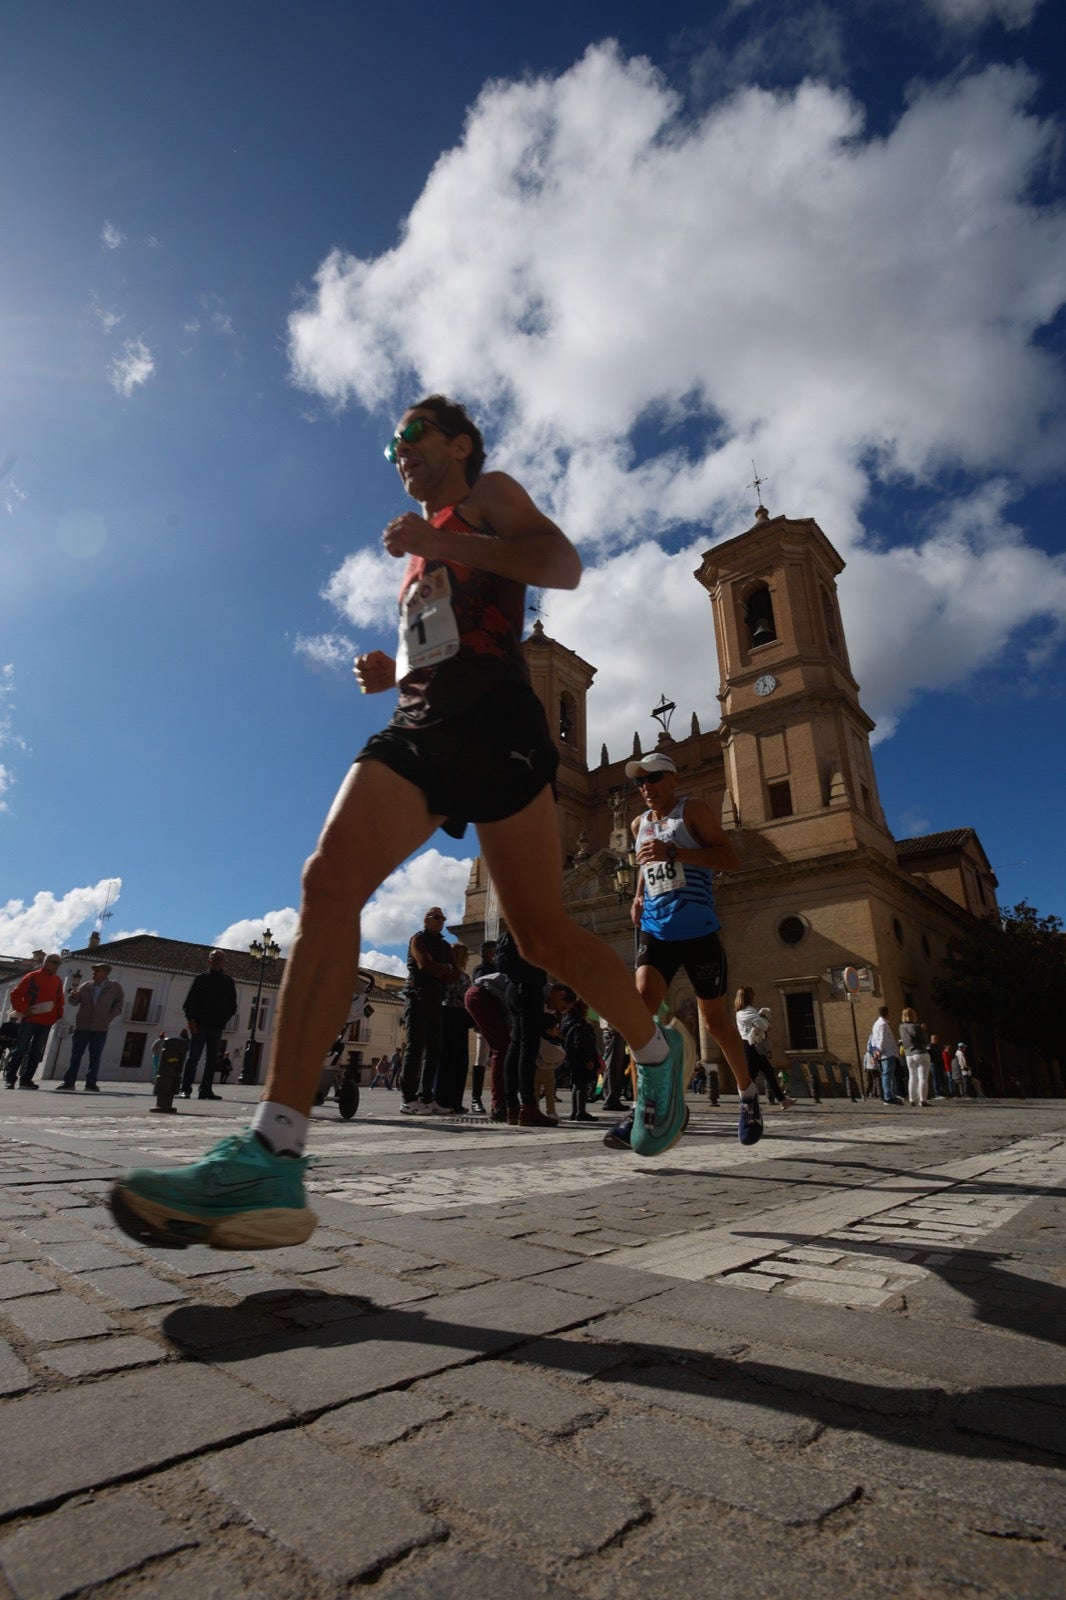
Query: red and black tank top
[{"x": 460, "y": 632}]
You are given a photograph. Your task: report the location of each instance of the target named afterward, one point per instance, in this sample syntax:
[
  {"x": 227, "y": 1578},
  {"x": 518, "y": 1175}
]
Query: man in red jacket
[{"x": 38, "y": 1000}]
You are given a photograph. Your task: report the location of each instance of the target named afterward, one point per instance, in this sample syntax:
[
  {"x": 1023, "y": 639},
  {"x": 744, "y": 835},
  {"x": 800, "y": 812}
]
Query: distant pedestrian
[
  {"x": 961, "y": 1063},
  {"x": 37, "y": 999},
  {"x": 429, "y": 968},
  {"x": 209, "y": 1004},
  {"x": 99, "y": 1002},
  {"x": 579, "y": 1044},
  {"x": 550, "y": 1056},
  {"x": 157, "y": 1052},
  {"x": 225, "y": 1066},
  {"x": 941, "y": 1081},
  {"x": 914, "y": 1043},
  {"x": 885, "y": 1051}
]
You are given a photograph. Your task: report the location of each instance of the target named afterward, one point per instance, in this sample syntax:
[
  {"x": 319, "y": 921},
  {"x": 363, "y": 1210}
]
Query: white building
[{"x": 156, "y": 975}]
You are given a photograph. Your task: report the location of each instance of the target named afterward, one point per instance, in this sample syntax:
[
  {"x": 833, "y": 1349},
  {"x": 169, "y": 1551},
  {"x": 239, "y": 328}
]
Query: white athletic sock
[
  {"x": 656, "y": 1049},
  {"x": 750, "y": 1093},
  {"x": 280, "y": 1127}
]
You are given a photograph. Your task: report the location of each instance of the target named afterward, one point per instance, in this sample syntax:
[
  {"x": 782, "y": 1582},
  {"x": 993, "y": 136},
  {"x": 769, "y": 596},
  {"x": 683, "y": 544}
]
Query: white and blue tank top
[{"x": 678, "y": 898}]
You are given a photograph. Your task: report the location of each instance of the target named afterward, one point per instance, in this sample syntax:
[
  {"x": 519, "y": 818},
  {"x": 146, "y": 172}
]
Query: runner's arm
[
  {"x": 715, "y": 851},
  {"x": 523, "y": 543}
]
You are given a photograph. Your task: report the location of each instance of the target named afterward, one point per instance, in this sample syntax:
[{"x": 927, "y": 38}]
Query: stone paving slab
[
  {"x": 58, "y": 1443},
  {"x": 293, "y": 1488},
  {"x": 51, "y": 1318},
  {"x": 77, "y": 1546},
  {"x": 93, "y": 1356},
  {"x": 673, "y": 1451},
  {"x": 522, "y": 1493}
]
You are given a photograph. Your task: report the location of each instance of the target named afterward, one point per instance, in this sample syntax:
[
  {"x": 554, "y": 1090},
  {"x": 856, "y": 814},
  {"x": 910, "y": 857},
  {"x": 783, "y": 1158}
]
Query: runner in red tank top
[{"x": 468, "y": 742}]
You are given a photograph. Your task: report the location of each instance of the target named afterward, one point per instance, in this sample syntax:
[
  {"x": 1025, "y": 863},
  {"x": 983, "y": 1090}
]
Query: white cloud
[
  {"x": 333, "y": 650},
  {"x": 133, "y": 367},
  {"x": 638, "y": 301},
  {"x": 49, "y": 923},
  {"x": 974, "y": 14},
  {"x": 8, "y": 736},
  {"x": 428, "y": 879},
  {"x": 282, "y": 925},
  {"x": 108, "y": 320},
  {"x": 112, "y": 238},
  {"x": 383, "y": 963},
  {"x": 365, "y": 588}
]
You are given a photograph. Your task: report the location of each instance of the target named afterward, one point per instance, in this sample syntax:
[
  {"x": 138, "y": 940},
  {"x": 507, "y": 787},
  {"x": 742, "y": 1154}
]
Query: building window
[
  {"x": 759, "y": 615},
  {"x": 133, "y": 1050},
  {"x": 567, "y": 718},
  {"x": 792, "y": 930},
  {"x": 897, "y": 930},
  {"x": 141, "y": 1001},
  {"x": 780, "y": 797},
  {"x": 867, "y": 802},
  {"x": 799, "y": 1019},
  {"x": 926, "y": 951}
]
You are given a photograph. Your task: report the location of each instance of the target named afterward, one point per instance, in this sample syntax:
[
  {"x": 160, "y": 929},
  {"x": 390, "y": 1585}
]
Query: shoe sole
[
  {"x": 151, "y": 1223},
  {"x": 656, "y": 1145},
  {"x": 663, "y": 1148}
]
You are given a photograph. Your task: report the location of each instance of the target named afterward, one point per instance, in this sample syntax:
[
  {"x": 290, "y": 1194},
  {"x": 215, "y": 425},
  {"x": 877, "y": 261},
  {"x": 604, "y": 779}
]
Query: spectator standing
[
  {"x": 616, "y": 1060},
  {"x": 961, "y": 1063},
  {"x": 209, "y": 1004},
  {"x": 429, "y": 968},
  {"x": 449, "y": 1085},
  {"x": 38, "y": 999},
  {"x": 483, "y": 1050},
  {"x": 225, "y": 1066},
  {"x": 915, "y": 1047},
  {"x": 885, "y": 1051},
  {"x": 941, "y": 1081},
  {"x": 579, "y": 1046},
  {"x": 99, "y": 1002},
  {"x": 486, "y": 1004},
  {"x": 550, "y": 1057},
  {"x": 525, "y": 1008},
  {"x": 754, "y": 1028},
  {"x": 157, "y": 1052}
]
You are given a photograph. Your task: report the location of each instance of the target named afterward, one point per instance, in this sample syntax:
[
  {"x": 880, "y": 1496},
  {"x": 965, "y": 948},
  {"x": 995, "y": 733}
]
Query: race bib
[
  {"x": 663, "y": 877},
  {"x": 428, "y": 629}
]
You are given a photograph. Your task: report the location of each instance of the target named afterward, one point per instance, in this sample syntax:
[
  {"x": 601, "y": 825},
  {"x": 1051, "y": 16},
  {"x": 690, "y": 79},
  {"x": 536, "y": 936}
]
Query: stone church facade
[{"x": 823, "y": 885}]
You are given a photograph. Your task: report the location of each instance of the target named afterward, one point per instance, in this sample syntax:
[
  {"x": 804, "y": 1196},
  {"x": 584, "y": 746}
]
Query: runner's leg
[
  {"x": 522, "y": 854},
  {"x": 377, "y": 820}
]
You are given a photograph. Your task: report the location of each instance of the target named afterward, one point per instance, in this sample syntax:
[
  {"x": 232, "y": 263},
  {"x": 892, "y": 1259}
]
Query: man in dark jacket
[{"x": 209, "y": 1004}]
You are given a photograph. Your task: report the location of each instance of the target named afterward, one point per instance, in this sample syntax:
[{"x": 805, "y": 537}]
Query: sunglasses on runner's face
[
  {"x": 411, "y": 432},
  {"x": 647, "y": 778}
]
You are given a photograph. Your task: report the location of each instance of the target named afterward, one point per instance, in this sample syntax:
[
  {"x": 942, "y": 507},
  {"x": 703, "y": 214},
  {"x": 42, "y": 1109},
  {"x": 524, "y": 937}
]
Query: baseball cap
[{"x": 656, "y": 762}]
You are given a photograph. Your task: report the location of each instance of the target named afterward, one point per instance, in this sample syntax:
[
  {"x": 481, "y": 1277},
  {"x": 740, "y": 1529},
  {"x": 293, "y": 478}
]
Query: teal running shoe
[
  {"x": 660, "y": 1115},
  {"x": 240, "y": 1196}
]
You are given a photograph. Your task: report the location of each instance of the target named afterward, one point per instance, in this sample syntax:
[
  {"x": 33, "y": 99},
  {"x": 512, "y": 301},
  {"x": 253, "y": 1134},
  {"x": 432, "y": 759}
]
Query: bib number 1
[{"x": 429, "y": 632}]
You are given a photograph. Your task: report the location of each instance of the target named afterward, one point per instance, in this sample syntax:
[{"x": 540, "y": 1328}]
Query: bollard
[{"x": 168, "y": 1082}]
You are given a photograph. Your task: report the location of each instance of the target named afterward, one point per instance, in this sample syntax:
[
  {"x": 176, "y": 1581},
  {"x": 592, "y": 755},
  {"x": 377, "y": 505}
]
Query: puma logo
[{"x": 516, "y": 755}]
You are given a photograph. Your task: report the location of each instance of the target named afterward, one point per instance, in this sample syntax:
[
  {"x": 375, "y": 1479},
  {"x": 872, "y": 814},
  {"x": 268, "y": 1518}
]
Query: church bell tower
[{"x": 795, "y": 739}]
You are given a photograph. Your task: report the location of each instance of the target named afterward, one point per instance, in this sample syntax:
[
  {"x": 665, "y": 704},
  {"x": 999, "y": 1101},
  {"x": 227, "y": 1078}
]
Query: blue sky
[{"x": 826, "y": 237}]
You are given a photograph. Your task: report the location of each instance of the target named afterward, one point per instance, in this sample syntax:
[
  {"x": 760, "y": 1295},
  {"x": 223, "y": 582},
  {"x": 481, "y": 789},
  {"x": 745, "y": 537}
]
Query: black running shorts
[
  {"x": 703, "y": 959},
  {"x": 481, "y": 765}
]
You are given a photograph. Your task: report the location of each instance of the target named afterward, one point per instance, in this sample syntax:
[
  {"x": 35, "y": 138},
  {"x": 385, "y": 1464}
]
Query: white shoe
[{"x": 414, "y": 1108}]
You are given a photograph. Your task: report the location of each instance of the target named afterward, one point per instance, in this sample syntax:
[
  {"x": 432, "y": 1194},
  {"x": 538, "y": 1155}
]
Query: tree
[{"x": 1006, "y": 979}]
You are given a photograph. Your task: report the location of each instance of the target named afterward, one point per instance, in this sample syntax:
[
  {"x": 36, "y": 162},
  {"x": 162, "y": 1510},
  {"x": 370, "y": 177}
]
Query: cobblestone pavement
[{"x": 513, "y": 1363}]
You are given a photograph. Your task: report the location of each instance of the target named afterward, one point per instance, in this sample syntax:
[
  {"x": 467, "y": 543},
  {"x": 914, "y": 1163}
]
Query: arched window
[
  {"x": 567, "y": 718},
  {"x": 759, "y": 615}
]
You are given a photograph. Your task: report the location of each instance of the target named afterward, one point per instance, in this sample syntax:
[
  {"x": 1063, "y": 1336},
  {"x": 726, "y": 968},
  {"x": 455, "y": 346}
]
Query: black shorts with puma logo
[{"x": 486, "y": 763}]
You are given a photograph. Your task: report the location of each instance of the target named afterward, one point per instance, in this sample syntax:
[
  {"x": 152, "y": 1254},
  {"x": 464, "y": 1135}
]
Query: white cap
[{"x": 656, "y": 762}]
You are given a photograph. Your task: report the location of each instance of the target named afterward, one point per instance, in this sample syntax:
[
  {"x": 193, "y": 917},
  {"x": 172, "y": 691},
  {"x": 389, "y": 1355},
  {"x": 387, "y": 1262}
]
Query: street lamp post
[{"x": 263, "y": 950}]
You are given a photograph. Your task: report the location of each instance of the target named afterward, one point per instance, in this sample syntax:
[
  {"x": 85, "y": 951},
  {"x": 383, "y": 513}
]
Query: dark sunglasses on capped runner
[
  {"x": 411, "y": 432},
  {"x": 649, "y": 777}
]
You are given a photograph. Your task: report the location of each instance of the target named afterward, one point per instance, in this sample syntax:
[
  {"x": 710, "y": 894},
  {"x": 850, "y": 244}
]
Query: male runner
[
  {"x": 679, "y": 845},
  {"x": 468, "y": 742}
]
